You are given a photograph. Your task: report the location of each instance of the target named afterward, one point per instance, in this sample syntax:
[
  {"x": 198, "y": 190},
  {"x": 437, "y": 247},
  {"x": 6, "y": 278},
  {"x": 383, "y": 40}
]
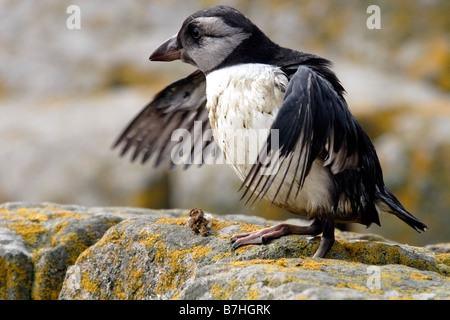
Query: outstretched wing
[
  {"x": 178, "y": 106},
  {"x": 312, "y": 122}
]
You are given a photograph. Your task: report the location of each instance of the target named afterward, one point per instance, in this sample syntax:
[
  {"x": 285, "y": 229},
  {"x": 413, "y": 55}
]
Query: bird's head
[{"x": 210, "y": 37}]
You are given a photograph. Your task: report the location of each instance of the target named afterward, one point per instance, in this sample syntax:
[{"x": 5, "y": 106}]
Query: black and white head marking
[{"x": 206, "y": 41}]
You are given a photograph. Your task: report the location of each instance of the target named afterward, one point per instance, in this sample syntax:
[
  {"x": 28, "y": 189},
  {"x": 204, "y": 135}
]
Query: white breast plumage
[{"x": 243, "y": 101}]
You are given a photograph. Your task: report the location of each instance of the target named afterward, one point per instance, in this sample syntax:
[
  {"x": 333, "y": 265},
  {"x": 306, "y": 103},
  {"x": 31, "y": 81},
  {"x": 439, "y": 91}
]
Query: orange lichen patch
[
  {"x": 58, "y": 229},
  {"x": 222, "y": 255},
  {"x": 380, "y": 253},
  {"x": 37, "y": 217},
  {"x": 219, "y": 225},
  {"x": 134, "y": 283},
  {"x": 174, "y": 268},
  {"x": 115, "y": 236},
  {"x": 173, "y": 263},
  {"x": 219, "y": 292},
  {"x": 49, "y": 278},
  {"x": 177, "y": 221},
  {"x": 400, "y": 298},
  {"x": 312, "y": 265},
  {"x": 89, "y": 283},
  {"x": 23, "y": 211},
  {"x": 224, "y": 292},
  {"x": 36, "y": 214},
  {"x": 30, "y": 231},
  {"x": 29, "y": 222},
  {"x": 443, "y": 258},
  {"x": 67, "y": 214},
  {"x": 200, "y": 251},
  {"x": 251, "y": 281},
  {"x": 252, "y": 294},
  {"x": 361, "y": 288},
  {"x": 420, "y": 276},
  {"x": 13, "y": 275},
  {"x": 244, "y": 227},
  {"x": 271, "y": 264},
  {"x": 176, "y": 296}
]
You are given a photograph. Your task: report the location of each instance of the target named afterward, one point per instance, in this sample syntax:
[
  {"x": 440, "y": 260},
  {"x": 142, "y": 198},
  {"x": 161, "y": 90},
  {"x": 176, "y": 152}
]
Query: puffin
[{"x": 281, "y": 121}]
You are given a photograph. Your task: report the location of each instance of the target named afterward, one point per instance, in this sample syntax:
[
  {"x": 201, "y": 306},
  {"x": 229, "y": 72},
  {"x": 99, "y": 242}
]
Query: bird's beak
[{"x": 167, "y": 51}]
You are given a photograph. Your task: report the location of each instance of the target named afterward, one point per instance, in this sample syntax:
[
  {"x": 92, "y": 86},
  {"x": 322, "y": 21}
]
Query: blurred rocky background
[{"x": 66, "y": 94}]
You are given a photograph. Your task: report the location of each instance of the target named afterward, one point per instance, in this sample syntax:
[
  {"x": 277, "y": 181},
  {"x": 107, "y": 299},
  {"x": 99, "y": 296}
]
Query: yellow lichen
[
  {"x": 37, "y": 217},
  {"x": 176, "y": 271},
  {"x": 58, "y": 229},
  {"x": 252, "y": 294},
  {"x": 280, "y": 264},
  {"x": 30, "y": 232},
  {"x": 270, "y": 282},
  {"x": 23, "y": 211},
  {"x": 219, "y": 225},
  {"x": 30, "y": 224},
  {"x": 44, "y": 281},
  {"x": 200, "y": 251},
  {"x": 380, "y": 253},
  {"x": 443, "y": 258},
  {"x": 113, "y": 236},
  {"x": 222, "y": 255},
  {"x": 286, "y": 279},
  {"x": 250, "y": 281},
  {"x": 177, "y": 221},
  {"x": 395, "y": 297},
  {"x": 420, "y": 276},
  {"x": 310, "y": 264},
  {"x": 353, "y": 285},
  {"x": 245, "y": 263},
  {"x": 90, "y": 284},
  {"x": 176, "y": 296},
  {"x": 4, "y": 270},
  {"x": 219, "y": 292},
  {"x": 13, "y": 275},
  {"x": 74, "y": 247},
  {"x": 173, "y": 270},
  {"x": 224, "y": 291},
  {"x": 67, "y": 214},
  {"x": 246, "y": 227}
]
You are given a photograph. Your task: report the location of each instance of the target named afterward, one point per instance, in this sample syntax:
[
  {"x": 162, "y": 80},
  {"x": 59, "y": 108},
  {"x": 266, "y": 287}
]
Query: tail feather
[{"x": 396, "y": 208}]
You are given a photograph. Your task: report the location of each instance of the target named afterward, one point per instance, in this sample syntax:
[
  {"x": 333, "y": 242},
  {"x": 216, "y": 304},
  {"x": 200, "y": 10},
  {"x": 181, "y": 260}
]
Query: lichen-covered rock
[
  {"x": 16, "y": 267},
  {"x": 38, "y": 242},
  {"x": 50, "y": 251},
  {"x": 163, "y": 258}
]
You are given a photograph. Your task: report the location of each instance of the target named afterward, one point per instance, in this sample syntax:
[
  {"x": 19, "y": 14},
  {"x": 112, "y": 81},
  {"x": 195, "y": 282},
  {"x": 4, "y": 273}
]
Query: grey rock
[
  {"x": 50, "y": 251},
  {"x": 16, "y": 267},
  {"x": 39, "y": 241},
  {"x": 146, "y": 259}
]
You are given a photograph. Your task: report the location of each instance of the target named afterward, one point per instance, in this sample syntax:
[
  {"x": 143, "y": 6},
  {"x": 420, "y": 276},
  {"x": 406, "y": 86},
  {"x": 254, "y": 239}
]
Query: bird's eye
[{"x": 195, "y": 32}]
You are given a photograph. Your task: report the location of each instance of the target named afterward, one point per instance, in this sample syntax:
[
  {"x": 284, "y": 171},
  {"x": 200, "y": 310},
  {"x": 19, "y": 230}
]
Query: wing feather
[
  {"x": 178, "y": 106},
  {"x": 312, "y": 122}
]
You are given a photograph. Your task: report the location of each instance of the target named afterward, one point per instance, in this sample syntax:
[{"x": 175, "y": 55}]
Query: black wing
[
  {"x": 314, "y": 122},
  {"x": 178, "y": 106}
]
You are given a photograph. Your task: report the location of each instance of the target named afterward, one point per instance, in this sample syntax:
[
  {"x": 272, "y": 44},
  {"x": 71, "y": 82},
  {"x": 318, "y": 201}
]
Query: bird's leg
[
  {"x": 324, "y": 225},
  {"x": 327, "y": 239},
  {"x": 275, "y": 232}
]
